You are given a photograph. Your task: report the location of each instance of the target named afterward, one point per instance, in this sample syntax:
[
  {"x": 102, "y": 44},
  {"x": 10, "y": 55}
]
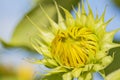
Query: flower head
[{"x": 76, "y": 47}]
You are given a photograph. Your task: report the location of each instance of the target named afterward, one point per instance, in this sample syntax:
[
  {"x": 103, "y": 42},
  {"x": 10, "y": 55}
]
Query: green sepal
[
  {"x": 86, "y": 76},
  {"x": 107, "y": 60},
  {"x": 100, "y": 55},
  {"x": 50, "y": 63},
  {"x": 67, "y": 76},
  {"x": 57, "y": 70},
  {"x": 98, "y": 67},
  {"x": 76, "y": 72},
  {"x": 70, "y": 22}
]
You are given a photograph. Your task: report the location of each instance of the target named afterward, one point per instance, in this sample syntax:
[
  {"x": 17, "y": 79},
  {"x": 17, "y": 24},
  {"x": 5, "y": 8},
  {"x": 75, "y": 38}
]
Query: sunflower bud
[{"x": 77, "y": 45}]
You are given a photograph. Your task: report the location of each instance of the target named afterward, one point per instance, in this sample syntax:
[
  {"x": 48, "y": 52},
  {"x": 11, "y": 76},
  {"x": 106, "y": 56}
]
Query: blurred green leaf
[
  {"x": 6, "y": 71},
  {"x": 117, "y": 2},
  {"x": 114, "y": 75},
  {"x": 25, "y": 30},
  {"x": 8, "y": 78}
]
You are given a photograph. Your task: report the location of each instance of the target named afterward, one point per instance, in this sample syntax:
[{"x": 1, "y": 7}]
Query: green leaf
[
  {"x": 116, "y": 62},
  {"x": 114, "y": 75},
  {"x": 25, "y": 29}
]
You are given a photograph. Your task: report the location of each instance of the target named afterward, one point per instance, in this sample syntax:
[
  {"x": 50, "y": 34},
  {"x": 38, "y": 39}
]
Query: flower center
[{"x": 74, "y": 46}]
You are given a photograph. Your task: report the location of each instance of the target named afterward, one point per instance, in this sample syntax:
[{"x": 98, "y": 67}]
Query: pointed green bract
[{"x": 60, "y": 18}]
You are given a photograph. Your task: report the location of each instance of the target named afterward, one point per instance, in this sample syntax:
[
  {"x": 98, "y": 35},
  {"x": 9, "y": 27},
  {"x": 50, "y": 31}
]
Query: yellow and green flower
[{"x": 76, "y": 47}]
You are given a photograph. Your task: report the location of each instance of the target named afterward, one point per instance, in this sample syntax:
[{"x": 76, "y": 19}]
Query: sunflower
[{"x": 76, "y": 47}]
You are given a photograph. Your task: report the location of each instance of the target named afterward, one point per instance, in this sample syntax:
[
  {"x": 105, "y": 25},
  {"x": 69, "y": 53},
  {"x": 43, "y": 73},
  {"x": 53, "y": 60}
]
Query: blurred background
[{"x": 15, "y": 48}]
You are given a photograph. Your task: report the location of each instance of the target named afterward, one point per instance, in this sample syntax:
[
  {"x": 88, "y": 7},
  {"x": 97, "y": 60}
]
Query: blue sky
[{"x": 11, "y": 11}]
